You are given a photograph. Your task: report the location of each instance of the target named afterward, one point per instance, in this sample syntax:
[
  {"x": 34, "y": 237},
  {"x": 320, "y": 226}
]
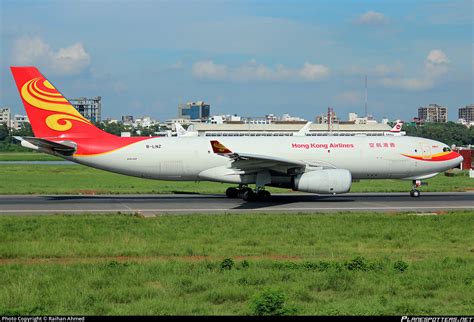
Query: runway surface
[{"x": 150, "y": 205}]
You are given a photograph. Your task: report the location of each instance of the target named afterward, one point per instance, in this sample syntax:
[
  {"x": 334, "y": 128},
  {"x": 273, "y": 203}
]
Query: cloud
[
  {"x": 436, "y": 65},
  {"x": 313, "y": 72},
  {"x": 349, "y": 97},
  {"x": 253, "y": 71},
  {"x": 383, "y": 69},
  {"x": 65, "y": 61},
  {"x": 208, "y": 70},
  {"x": 409, "y": 84},
  {"x": 377, "y": 70},
  {"x": 372, "y": 18},
  {"x": 119, "y": 86}
]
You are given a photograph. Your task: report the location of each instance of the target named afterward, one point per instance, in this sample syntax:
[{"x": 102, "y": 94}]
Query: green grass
[
  {"x": 27, "y": 156},
  {"x": 77, "y": 179},
  {"x": 344, "y": 264}
]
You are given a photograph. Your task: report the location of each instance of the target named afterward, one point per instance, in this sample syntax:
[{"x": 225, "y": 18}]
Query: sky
[{"x": 249, "y": 58}]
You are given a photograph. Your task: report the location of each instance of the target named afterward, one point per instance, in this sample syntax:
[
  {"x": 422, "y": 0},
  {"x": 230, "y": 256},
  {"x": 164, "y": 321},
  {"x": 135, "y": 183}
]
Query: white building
[
  {"x": 220, "y": 119},
  {"x": 110, "y": 120},
  {"x": 288, "y": 118},
  {"x": 18, "y": 121},
  {"x": 217, "y": 119},
  {"x": 144, "y": 121},
  {"x": 288, "y": 129},
  {"x": 465, "y": 122},
  {"x": 170, "y": 122},
  {"x": 353, "y": 117}
]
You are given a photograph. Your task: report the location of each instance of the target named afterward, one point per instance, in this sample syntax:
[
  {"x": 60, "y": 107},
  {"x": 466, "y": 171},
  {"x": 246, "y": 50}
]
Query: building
[
  {"x": 221, "y": 119},
  {"x": 90, "y": 108},
  {"x": 109, "y": 120},
  {"x": 323, "y": 118},
  {"x": 288, "y": 129},
  {"x": 194, "y": 111},
  {"x": 354, "y": 118},
  {"x": 127, "y": 119},
  {"x": 433, "y": 113},
  {"x": 285, "y": 118},
  {"x": 468, "y": 157},
  {"x": 5, "y": 115},
  {"x": 18, "y": 121},
  {"x": 467, "y": 113},
  {"x": 181, "y": 121},
  {"x": 144, "y": 122}
]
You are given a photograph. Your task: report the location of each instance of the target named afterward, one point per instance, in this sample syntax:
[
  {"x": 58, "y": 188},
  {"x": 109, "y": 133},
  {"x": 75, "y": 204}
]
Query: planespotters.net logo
[{"x": 437, "y": 319}]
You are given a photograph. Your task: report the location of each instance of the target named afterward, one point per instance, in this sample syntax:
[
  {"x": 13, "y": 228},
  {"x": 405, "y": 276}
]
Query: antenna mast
[
  {"x": 366, "y": 96},
  {"x": 330, "y": 115}
]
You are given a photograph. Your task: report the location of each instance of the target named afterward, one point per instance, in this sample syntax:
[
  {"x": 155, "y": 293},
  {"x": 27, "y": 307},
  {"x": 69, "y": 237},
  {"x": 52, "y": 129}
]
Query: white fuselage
[{"x": 191, "y": 158}]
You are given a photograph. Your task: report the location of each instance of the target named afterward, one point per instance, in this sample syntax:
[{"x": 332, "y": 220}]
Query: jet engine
[{"x": 329, "y": 181}]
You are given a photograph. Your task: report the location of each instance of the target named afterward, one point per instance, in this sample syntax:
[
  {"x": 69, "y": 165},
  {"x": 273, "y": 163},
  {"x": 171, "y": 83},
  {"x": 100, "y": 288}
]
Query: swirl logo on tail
[{"x": 39, "y": 93}]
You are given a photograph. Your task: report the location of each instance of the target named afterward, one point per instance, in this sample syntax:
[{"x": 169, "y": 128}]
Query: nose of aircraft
[{"x": 457, "y": 159}]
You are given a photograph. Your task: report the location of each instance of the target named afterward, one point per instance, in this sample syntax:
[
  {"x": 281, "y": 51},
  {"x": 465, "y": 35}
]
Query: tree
[
  {"x": 4, "y": 131},
  {"x": 449, "y": 133}
]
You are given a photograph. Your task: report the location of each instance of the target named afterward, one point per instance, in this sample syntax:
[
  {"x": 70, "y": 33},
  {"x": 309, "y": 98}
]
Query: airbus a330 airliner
[{"x": 322, "y": 165}]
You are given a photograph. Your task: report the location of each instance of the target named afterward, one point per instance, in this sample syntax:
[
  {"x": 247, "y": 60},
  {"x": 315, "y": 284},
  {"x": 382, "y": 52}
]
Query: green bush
[
  {"x": 358, "y": 264},
  {"x": 227, "y": 264},
  {"x": 270, "y": 302},
  {"x": 400, "y": 266},
  {"x": 245, "y": 264}
]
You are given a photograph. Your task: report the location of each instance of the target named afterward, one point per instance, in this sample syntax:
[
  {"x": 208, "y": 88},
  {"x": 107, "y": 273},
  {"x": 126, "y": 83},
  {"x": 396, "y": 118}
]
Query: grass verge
[
  {"x": 27, "y": 156},
  {"x": 307, "y": 264}
]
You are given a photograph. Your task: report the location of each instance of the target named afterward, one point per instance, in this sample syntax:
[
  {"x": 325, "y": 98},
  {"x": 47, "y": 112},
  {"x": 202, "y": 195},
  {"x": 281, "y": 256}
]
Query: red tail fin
[
  {"x": 50, "y": 113},
  {"x": 397, "y": 127}
]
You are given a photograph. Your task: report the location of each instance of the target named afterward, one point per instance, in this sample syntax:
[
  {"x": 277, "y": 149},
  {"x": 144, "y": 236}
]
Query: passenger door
[{"x": 425, "y": 151}]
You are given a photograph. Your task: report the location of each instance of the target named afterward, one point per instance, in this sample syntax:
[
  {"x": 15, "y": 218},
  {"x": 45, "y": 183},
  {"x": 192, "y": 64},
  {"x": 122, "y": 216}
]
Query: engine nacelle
[{"x": 330, "y": 181}]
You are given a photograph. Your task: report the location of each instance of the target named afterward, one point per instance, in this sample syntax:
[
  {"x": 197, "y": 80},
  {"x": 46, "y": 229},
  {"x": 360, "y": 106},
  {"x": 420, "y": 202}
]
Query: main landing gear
[
  {"x": 415, "y": 193},
  {"x": 248, "y": 194}
]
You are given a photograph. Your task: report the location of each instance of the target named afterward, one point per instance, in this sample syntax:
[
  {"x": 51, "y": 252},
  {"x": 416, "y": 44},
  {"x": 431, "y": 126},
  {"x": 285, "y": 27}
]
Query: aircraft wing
[
  {"x": 254, "y": 162},
  {"x": 64, "y": 148}
]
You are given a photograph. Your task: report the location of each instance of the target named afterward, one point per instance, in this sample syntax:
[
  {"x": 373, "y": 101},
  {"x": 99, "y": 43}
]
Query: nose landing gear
[{"x": 415, "y": 193}]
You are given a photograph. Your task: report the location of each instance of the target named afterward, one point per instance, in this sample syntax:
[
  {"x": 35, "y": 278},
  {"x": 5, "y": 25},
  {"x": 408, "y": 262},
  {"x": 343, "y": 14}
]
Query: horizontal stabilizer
[{"x": 63, "y": 147}]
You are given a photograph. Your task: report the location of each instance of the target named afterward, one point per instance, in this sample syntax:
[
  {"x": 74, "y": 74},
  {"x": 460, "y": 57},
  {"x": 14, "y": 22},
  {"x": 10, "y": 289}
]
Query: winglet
[{"x": 219, "y": 148}]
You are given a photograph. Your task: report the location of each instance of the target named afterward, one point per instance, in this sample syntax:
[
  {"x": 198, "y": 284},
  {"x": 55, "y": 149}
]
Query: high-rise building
[
  {"x": 194, "y": 110},
  {"x": 90, "y": 108},
  {"x": 326, "y": 118},
  {"x": 467, "y": 113},
  {"x": 433, "y": 113},
  {"x": 5, "y": 115},
  {"x": 127, "y": 119},
  {"x": 18, "y": 121}
]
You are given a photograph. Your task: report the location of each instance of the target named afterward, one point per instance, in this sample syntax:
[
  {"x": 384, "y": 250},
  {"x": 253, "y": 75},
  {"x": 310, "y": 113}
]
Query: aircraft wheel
[
  {"x": 415, "y": 193},
  {"x": 248, "y": 195},
  {"x": 232, "y": 192},
  {"x": 264, "y": 195}
]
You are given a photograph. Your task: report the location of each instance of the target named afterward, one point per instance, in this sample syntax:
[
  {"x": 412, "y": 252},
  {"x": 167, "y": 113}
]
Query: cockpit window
[{"x": 446, "y": 149}]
